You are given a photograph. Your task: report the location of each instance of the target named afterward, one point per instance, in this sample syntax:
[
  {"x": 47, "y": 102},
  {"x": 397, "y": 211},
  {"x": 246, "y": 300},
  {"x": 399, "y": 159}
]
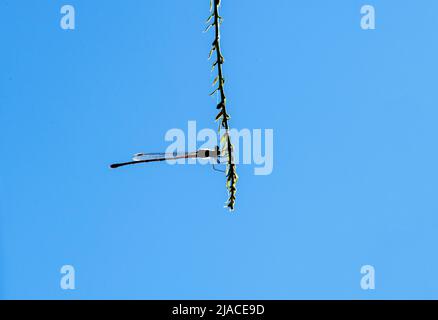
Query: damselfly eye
[{"x": 203, "y": 153}]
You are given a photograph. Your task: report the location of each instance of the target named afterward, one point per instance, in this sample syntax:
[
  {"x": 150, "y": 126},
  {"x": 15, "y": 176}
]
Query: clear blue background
[{"x": 355, "y": 176}]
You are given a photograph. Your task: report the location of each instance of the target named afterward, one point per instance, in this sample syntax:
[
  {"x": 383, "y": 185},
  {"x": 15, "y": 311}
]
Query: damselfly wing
[{"x": 155, "y": 157}]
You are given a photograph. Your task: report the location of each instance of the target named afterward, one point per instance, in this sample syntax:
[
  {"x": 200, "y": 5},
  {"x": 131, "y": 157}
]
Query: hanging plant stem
[{"x": 222, "y": 116}]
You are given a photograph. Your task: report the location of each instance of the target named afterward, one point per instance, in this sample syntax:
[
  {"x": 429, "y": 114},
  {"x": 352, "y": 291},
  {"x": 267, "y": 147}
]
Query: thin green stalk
[{"x": 223, "y": 116}]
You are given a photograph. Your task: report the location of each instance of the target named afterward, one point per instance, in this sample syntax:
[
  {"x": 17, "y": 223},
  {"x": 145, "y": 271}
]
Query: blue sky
[{"x": 355, "y": 177}]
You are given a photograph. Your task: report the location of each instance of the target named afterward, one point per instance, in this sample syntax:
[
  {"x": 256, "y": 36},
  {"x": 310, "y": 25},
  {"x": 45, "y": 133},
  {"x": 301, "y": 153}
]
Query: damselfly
[{"x": 156, "y": 157}]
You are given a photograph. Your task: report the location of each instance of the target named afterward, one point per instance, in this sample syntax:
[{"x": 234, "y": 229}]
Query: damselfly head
[{"x": 218, "y": 151}]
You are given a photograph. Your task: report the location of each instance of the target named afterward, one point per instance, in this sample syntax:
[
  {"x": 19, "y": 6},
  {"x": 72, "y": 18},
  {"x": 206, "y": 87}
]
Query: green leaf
[
  {"x": 208, "y": 27},
  {"x": 213, "y": 66},
  {"x": 209, "y": 18},
  {"x": 215, "y": 80},
  {"x": 219, "y": 115},
  {"x": 211, "y": 52},
  {"x": 214, "y": 91},
  {"x": 224, "y": 138}
]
